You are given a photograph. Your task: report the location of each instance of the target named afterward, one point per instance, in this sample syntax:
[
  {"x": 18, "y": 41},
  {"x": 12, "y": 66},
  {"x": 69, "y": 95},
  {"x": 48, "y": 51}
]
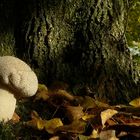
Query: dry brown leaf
[
  {"x": 107, "y": 114},
  {"x": 135, "y": 102},
  {"x": 108, "y": 135},
  {"x": 63, "y": 94},
  {"x": 102, "y": 104},
  {"x": 111, "y": 122},
  {"x": 128, "y": 120},
  {"x": 77, "y": 127},
  {"x": 74, "y": 112},
  {"x": 51, "y": 125},
  {"x": 55, "y": 138},
  {"x": 15, "y": 118},
  {"x": 88, "y": 102}
]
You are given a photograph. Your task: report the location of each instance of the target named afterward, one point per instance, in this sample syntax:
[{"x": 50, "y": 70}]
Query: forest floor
[{"x": 56, "y": 114}]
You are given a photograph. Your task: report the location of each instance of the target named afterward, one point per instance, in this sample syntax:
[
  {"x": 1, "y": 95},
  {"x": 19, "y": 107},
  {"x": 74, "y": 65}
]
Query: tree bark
[{"x": 81, "y": 42}]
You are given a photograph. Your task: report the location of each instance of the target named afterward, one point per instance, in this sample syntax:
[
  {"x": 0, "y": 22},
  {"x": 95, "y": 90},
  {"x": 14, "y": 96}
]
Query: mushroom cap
[
  {"x": 18, "y": 76},
  {"x": 7, "y": 105}
]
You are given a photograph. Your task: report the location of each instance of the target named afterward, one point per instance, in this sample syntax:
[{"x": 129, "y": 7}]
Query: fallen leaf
[
  {"x": 15, "y": 118},
  {"x": 128, "y": 119},
  {"x": 82, "y": 137},
  {"x": 95, "y": 134},
  {"x": 88, "y": 102},
  {"x": 108, "y": 135},
  {"x": 55, "y": 138},
  {"x": 36, "y": 121},
  {"x": 135, "y": 102},
  {"x": 111, "y": 122},
  {"x": 77, "y": 127},
  {"x": 107, "y": 114},
  {"x": 42, "y": 87},
  {"x": 42, "y": 93},
  {"x": 87, "y": 117},
  {"x": 122, "y": 133},
  {"x": 74, "y": 112},
  {"x": 102, "y": 104},
  {"x": 63, "y": 94},
  {"x": 51, "y": 125}
]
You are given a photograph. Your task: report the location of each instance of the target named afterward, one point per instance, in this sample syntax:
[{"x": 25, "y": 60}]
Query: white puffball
[{"x": 16, "y": 74}]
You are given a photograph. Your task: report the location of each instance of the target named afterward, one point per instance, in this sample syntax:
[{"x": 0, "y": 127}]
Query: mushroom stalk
[{"x": 7, "y": 105}]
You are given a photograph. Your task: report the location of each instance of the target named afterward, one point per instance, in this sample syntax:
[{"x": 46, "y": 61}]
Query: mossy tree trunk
[{"x": 81, "y": 42}]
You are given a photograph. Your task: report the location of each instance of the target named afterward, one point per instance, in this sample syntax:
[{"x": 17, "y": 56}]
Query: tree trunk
[{"x": 81, "y": 42}]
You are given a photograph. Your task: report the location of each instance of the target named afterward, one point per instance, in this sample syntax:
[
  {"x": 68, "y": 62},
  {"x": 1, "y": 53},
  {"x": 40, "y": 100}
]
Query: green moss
[{"x": 7, "y": 44}]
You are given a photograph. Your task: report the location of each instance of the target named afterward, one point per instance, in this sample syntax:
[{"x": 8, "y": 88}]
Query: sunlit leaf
[
  {"x": 95, "y": 134},
  {"x": 42, "y": 93},
  {"x": 36, "y": 121},
  {"x": 51, "y": 125},
  {"x": 88, "y": 117},
  {"x": 107, "y": 114},
  {"x": 135, "y": 102}
]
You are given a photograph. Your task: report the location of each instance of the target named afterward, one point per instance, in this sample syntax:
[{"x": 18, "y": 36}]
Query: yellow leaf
[
  {"x": 40, "y": 124},
  {"x": 51, "y": 125},
  {"x": 36, "y": 121},
  {"x": 42, "y": 93},
  {"x": 135, "y": 102},
  {"x": 42, "y": 87},
  {"x": 88, "y": 117},
  {"x": 95, "y": 134},
  {"x": 107, "y": 114}
]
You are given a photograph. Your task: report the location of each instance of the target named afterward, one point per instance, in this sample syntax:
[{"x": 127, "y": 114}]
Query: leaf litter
[{"x": 66, "y": 116}]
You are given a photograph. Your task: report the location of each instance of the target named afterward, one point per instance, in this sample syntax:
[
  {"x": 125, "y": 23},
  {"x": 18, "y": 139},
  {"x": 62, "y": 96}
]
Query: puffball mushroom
[{"x": 16, "y": 80}]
